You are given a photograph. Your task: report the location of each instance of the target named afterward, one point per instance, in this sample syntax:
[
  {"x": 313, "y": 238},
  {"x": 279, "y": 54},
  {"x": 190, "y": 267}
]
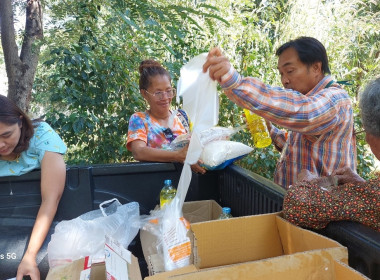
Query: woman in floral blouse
[{"x": 151, "y": 132}]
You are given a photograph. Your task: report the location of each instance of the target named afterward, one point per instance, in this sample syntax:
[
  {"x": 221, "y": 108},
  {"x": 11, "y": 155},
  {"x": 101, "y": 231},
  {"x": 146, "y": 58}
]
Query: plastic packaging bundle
[
  {"x": 206, "y": 136},
  {"x": 221, "y": 153},
  {"x": 85, "y": 235},
  {"x": 180, "y": 141},
  {"x": 170, "y": 245},
  {"x": 217, "y": 133},
  {"x": 164, "y": 233},
  {"x": 201, "y": 103}
]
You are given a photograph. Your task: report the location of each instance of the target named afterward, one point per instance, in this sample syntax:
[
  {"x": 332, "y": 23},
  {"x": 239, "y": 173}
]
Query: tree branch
[
  {"x": 21, "y": 70},
  {"x": 8, "y": 40},
  {"x": 33, "y": 32}
]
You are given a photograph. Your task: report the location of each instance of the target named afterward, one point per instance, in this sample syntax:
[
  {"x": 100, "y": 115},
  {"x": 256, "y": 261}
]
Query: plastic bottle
[
  {"x": 258, "y": 129},
  {"x": 226, "y": 213},
  {"x": 167, "y": 193}
]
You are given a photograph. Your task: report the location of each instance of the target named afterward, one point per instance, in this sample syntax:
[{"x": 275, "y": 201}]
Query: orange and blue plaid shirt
[{"x": 320, "y": 124}]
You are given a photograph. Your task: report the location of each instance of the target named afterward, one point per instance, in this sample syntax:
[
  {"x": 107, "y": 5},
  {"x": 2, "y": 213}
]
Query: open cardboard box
[
  {"x": 79, "y": 269},
  {"x": 259, "y": 238},
  {"x": 201, "y": 211},
  {"x": 252, "y": 238},
  {"x": 193, "y": 212},
  {"x": 120, "y": 264},
  {"x": 317, "y": 264}
]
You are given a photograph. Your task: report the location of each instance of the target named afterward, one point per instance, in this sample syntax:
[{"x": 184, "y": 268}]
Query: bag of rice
[{"x": 221, "y": 153}]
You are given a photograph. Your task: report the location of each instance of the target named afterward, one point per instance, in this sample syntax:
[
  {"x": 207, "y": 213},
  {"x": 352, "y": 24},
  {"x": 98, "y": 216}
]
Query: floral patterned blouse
[{"x": 143, "y": 126}]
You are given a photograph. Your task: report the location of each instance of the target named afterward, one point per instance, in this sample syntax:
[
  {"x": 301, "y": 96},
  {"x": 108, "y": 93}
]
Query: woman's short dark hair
[
  {"x": 309, "y": 50},
  {"x": 10, "y": 114},
  {"x": 148, "y": 69}
]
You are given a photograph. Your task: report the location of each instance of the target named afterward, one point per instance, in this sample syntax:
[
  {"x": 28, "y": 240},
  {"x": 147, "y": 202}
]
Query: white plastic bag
[
  {"x": 201, "y": 103},
  {"x": 85, "y": 235},
  {"x": 218, "y": 154},
  {"x": 206, "y": 136},
  {"x": 217, "y": 133},
  {"x": 200, "y": 97}
]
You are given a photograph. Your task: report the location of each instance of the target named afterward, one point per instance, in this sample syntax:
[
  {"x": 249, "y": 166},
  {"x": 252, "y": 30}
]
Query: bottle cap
[
  {"x": 168, "y": 182},
  {"x": 226, "y": 210}
]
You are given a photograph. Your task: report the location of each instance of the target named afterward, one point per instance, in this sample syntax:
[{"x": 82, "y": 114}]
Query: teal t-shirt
[{"x": 44, "y": 139}]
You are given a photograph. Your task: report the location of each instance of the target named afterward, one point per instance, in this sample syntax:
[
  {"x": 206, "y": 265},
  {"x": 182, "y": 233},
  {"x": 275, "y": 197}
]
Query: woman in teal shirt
[{"x": 24, "y": 146}]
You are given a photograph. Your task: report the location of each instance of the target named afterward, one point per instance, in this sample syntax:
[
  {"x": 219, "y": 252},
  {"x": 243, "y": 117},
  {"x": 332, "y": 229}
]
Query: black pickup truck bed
[{"x": 87, "y": 186}]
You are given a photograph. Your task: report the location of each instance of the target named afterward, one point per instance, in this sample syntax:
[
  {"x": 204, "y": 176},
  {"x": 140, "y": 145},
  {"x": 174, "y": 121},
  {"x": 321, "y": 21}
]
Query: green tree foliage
[
  {"x": 91, "y": 78},
  {"x": 87, "y": 84},
  {"x": 254, "y": 32},
  {"x": 258, "y": 28}
]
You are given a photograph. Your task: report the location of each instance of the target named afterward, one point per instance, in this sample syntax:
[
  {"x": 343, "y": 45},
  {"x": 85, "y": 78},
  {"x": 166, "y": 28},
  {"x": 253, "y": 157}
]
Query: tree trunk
[{"x": 21, "y": 69}]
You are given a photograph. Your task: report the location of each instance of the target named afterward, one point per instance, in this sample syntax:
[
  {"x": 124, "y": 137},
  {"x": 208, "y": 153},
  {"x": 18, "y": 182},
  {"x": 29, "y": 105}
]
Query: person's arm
[
  {"x": 315, "y": 114},
  {"x": 142, "y": 152},
  {"x": 347, "y": 175},
  {"x": 53, "y": 176},
  {"x": 278, "y": 136},
  {"x": 340, "y": 176}
]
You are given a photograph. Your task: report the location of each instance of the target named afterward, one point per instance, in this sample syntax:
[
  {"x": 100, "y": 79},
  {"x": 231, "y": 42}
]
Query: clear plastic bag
[
  {"x": 221, "y": 153},
  {"x": 180, "y": 141},
  {"x": 216, "y": 133},
  {"x": 85, "y": 235},
  {"x": 201, "y": 103},
  {"x": 206, "y": 136},
  {"x": 199, "y": 93},
  {"x": 166, "y": 245}
]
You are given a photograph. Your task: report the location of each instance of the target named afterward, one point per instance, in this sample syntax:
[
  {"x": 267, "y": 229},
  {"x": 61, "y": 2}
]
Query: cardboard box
[
  {"x": 201, "y": 211},
  {"x": 167, "y": 274},
  {"x": 194, "y": 212},
  {"x": 78, "y": 269},
  {"x": 260, "y": 238},
  {"x": 120, "y": 264},
  {"x": 251, "y": 238},
  {"x": 343, "y": 271},
  {"x": 318, "y": 264}
]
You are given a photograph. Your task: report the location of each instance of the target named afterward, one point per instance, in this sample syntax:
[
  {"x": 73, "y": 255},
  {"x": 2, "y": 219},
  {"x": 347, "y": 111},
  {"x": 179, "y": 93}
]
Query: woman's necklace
[{"x": 12, "y": 157}]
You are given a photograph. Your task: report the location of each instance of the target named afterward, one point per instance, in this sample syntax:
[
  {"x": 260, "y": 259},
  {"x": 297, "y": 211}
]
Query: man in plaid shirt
[{"x": 314, "y": 109}]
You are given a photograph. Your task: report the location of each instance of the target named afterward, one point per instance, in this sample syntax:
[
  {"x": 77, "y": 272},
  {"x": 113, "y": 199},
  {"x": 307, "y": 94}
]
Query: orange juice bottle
[{"x": 258, "y": 129}]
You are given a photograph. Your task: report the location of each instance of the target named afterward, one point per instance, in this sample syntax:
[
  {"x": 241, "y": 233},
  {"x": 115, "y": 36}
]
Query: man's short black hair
[{"x": 309, "y": 50}]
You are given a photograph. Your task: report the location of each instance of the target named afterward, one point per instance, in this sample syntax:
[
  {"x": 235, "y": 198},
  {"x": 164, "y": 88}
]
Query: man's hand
[
  {"x": 217, "y": 64},
  {"x": 347, "y": 175},
  {"x": 306, "y": 175}
]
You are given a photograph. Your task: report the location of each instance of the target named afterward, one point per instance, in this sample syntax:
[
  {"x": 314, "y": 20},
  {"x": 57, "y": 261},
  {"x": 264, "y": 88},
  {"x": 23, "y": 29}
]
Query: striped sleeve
[
  {"x": 314, "y": 113},
  {"x": 278, "y": 137}
]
